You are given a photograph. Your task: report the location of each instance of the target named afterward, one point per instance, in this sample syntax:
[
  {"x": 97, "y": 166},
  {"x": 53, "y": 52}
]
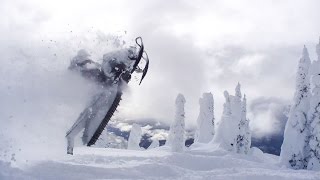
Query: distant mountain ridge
[{"x": 118, "y": 133}]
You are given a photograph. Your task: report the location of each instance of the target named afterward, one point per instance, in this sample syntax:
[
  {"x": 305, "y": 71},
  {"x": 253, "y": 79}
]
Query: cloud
[
  {"x": 172, "y": 70},
  {"x": 269, "y": 115}
]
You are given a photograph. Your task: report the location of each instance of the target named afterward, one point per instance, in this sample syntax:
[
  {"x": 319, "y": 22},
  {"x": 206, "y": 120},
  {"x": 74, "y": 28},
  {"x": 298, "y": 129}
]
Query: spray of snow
[{"x": 40, "y": 98}]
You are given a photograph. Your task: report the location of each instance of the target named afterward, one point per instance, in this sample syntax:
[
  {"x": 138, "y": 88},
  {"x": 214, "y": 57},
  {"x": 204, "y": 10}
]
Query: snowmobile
[{"x": 113, "y": 74}]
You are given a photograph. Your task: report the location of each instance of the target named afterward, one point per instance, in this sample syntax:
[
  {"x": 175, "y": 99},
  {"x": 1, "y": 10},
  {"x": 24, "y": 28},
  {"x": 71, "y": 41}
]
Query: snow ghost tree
[
  {"x": 154, "y": 144},
  {"x": 233, "y": 132},
  {"x": 205, "y": 121},
  {"x": 224, "y": 136},
  {"x": 110, "y": 140},
  {"x": 176, "y": 136},
  {"x": 294, "y": 150},
  {"x": 135, "y": 137},
  {"x": 314, "y": 115},
  {"x": 244, "y": 136},
  {"x": 238, "y": 92}
]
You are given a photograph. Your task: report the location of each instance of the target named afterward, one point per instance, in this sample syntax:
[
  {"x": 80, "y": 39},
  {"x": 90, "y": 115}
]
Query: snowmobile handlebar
[
  {"x": 125, "y": 74},
  {"x": 140, "y": 53},
  {"x": 138, "y": 59},
  {"x": 146, "y": 67}
]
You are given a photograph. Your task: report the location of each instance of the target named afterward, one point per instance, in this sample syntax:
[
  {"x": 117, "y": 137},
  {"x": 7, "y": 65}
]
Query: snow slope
[{"x": 198, "y": 162}]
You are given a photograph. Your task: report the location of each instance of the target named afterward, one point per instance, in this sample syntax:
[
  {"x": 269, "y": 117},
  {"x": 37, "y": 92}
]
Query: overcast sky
[{"x": 194, "y": 47}]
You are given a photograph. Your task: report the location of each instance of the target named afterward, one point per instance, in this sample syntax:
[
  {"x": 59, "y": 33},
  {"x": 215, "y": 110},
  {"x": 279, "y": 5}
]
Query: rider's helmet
[
  {"x": 81, "y": 57},
  {"x": 117, "y": 62}
]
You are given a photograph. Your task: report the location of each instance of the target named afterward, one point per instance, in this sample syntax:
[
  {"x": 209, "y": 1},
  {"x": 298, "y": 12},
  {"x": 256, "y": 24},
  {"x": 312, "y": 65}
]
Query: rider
[
  {"x": 93, "y": 70},
  {"x": 116, "y": 66}
]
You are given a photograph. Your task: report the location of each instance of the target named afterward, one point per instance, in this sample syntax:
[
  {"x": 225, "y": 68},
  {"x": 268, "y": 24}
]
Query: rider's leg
[{"x": 77, "y": 127}]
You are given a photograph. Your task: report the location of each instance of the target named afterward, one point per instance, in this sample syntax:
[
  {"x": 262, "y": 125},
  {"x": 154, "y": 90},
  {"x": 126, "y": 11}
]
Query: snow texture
[
  {"x": 203, "y": 162},
  {"x": 135, "y": 137},
  {"x": 294, "y": 150},
  {"x": 205, "y": 121},
  {"x": 314, "y": 116},
  {"x": 318, "y": 50},
  {"x": 225, "y": 135},
  {"x": 154, "y": 144},
  {"x": 176, "y": 135},
  {"x": 244, "y": 137}
]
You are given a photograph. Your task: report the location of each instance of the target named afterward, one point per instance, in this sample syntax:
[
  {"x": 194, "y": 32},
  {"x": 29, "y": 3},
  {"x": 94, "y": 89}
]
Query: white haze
[{"x": 194, "y": 47}]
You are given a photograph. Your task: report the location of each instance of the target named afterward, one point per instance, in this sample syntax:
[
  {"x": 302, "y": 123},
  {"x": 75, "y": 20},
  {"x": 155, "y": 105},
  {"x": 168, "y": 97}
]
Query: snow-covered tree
[
  {"x": 205, "y": 121},
  {"x": 314, "y": 115},
  {"x": 238, "y": 92},
  {"x": 247, "y": 142},
  {"x": 176, "y": 136},
  {"x": 221, "y": 136},
  {"x": 233, "y": 132},
  {"x": 110, "y": 140},
  {"x": 294, "y": 150},
  {"x": 135, "y": 137},
  {"x": 244, "y": 136},
  {"x": 154, "y": 144},
  {"x": 227, "y": 130}
]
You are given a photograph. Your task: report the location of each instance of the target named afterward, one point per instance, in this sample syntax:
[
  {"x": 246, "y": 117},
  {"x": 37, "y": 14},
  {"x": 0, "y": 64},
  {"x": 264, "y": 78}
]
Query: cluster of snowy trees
[
  {"x": 301, "y": 145},
  {"x": 176, "y": 136},
  {"x": 233, "y": 132},
  {"x": 205, "y": 122}
]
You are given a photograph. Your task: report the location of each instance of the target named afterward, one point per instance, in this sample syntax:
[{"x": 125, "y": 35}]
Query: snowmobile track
[{"x": 106, "y": 119}]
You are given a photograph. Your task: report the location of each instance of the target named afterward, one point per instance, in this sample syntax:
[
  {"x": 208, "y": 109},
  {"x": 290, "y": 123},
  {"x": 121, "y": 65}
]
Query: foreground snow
[{"x": 200, "y": 162}]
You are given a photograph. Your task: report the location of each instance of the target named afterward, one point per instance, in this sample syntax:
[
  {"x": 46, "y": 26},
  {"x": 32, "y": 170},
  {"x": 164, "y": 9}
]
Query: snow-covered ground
[{"x": 199, "y": 162}]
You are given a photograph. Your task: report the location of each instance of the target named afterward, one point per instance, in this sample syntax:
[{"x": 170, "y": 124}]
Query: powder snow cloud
[{"x": 194, "y": 47}]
